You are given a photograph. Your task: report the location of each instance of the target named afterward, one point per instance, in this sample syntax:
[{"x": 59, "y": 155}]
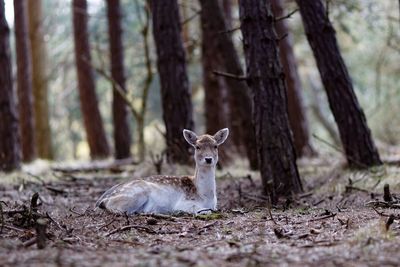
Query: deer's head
[{"x": 206, "y": 146}]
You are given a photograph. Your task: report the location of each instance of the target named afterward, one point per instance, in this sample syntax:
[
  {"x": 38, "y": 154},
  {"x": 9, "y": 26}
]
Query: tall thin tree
[
  {"x": 215, "y": 107},
  {"x": 40, "y": 80},
  {"x": 356, "y": 137},
  {"x": 24, "y": 81},
  {"x": 266, "y": 79},
  {"x": 96, "y": 136},
  {"x": 122, "y": 134},
  {"x": 297, "y": 115},
  {"x": 9, "y": 137},
  {"x": 175, "y": 89},
  {"x": 239, "y": 93}
]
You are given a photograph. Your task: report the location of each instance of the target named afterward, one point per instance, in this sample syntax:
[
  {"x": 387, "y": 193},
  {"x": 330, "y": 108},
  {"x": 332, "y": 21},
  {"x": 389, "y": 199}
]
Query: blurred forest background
[{"x": 367, "y": 32}]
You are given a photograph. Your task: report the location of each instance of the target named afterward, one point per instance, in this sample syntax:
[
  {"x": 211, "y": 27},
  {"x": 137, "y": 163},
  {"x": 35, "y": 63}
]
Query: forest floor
[{"x": 340, "y": 220}]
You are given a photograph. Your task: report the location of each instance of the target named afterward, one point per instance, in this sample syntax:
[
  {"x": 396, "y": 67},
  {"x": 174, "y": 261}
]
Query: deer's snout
[{"x": 208, "y": 160}]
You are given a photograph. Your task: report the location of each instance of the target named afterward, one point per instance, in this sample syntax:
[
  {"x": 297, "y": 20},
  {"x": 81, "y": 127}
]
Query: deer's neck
[{"x": 204, "y": 179}]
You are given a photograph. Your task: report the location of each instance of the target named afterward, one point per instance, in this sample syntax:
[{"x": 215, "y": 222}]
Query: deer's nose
[{"x": 208, "y": 160}]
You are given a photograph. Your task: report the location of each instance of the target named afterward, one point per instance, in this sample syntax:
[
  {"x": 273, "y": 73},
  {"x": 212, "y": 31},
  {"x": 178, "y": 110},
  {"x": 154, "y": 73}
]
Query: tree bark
[
  {"x": 216, "y": 113},
  {"x": 96, "y": 136},
  {"x": 356, "y": 137},
  {"x": 227, "y": 8},
  {"x": 9, "y": 137},
  {"x": 24, "y": 81},
  {"x": 297, "y": 116},
  {"x": 175, "y": 90},
  {"x": 266, "y": 79},
  {"x": 40, "y": 80},
  {"x": 240, "y": 101},
  {"x": 122, "y": 134}
]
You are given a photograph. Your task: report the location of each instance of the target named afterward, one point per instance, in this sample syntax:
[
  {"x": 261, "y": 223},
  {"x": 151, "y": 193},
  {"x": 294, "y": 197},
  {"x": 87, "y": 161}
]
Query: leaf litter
[{"x": 345, "y": 221}]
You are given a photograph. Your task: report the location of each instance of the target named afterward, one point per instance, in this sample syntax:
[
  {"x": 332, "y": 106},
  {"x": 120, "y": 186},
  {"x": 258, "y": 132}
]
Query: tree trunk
[
  {"x": 227, "y": 7},
  {"x": 297, "y": 116},
  {"x": 240, "y": 100},
  {"x": 216, "y": 114},
  {"x": 276, "y": 152},
  {"x": 122, "y": 135},
  {"x": 40, "y": 80},
  {"x": 175, "y": 90},
  {"x": 9, "y": 138},
  {"x": 354, "y": 132},
  {"x": 96, "y": 136},
  {"x": 24, "y": 81}
]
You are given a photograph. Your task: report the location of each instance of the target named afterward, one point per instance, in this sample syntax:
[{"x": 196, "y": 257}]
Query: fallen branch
[
  {"x": 383, "y": 204},
  {"x": 132, "y": 226},
  {"x": 350, "y": 187},
  {"x": 323, "y": 217}
]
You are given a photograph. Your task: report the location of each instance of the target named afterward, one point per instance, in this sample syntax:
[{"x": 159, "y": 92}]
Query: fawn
[{"x": 167, "y": 194}]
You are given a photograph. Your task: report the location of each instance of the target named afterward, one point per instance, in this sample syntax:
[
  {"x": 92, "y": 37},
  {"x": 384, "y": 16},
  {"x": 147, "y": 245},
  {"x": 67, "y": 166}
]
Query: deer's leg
[{"x": 128, "y": 204}]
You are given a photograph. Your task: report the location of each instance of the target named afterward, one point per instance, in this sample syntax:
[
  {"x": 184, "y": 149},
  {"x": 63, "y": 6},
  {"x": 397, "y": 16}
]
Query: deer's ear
[
  {"x": 190, "y": 137},
  {"x": 221, "y": 136}
]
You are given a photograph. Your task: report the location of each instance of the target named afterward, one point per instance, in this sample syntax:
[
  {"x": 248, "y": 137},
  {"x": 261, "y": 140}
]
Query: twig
[
  {"x": 323, "y": 217},
  {"x": 13, "y": 228},
  {"x": 121, "y": 91},
  {"x": 286, "y": 16},
  {"x": 55, "y": 222},
  {"x": 107, "y": 224},
  {"x": 230, "y": 30},
  {"x": 280, "y": 38},
  {"x": 162, "y": 216},
  {"x": 29, "y": 242},
  {"x": 202, "y": 229},
  {"x": 380, "y": 213},
  {"x": 389, "y": 221},
  {"x": 386, "y": 193},
  {"x": 134, "y": 226},
  {"x": 56, "y": 190},
  {"x": 36, "y": 177},
  {"x": 41, "y": 225},
  {"x": 317, "y": 219},
  {"x": 77, "y": 213},
  {"x": 1, "y": 216},
  {"x": 187, "y": 20},
  {"x": 230, "y": 75},
  {"x": 350, "y": 187}
]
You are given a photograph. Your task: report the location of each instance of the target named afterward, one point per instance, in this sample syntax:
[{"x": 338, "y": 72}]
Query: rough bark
[
  {"x": 39, "y": 80},
  {"x": 175, "y": 90},
  {"x": 95, "y": 133},
  {"x": 216, "y": 114},
  {"x": 297, "y": 115},
  {"x": 122, "y": 134},
  {"x": 24, "y": 81},
  {"x": 239, "y": 93},
  {"x": 9, "y": 137},
  {"x": 266, "y": 79},
  {"x": 355, "y": 135},
  {"x": 227, "y": 7}
]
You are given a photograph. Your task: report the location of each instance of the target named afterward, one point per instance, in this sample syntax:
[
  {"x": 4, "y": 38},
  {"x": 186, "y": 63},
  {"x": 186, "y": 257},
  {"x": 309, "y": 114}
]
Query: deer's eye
[
  {"x": 215, "y": 147},
  {"x": 197, "y": 148}
]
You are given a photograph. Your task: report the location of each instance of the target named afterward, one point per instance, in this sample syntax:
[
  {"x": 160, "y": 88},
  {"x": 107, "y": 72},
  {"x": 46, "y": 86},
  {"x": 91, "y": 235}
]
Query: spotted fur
[{"x": 166, "y": 194}]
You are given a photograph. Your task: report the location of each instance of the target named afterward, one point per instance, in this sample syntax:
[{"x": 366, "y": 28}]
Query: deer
[{"x": 171, "y": 194}]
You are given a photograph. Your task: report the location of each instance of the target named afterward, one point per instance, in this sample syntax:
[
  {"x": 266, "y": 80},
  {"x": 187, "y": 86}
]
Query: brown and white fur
[{"x": 168, "y": 194}]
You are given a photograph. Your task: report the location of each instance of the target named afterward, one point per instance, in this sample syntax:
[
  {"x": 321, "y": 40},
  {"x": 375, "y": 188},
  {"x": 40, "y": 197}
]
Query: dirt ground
[{"x": 340, "y": 220}]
